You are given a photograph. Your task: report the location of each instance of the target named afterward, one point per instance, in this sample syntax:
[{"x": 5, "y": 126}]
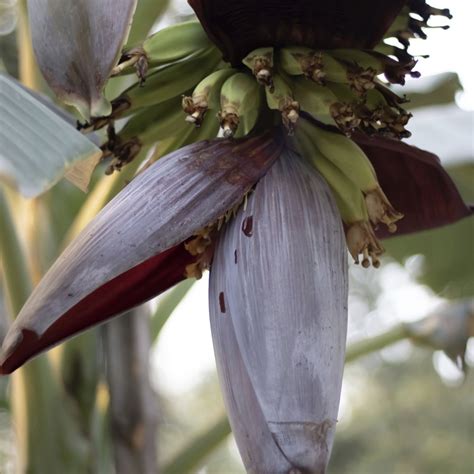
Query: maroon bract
[
  {"x": 135, "y": 248},
  {"x": 416, "y": 184}
]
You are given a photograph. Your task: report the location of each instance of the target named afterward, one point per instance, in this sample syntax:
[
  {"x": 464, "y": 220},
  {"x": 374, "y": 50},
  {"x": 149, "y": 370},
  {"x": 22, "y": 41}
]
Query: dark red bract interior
[
  {"x": 124, "y": 292},
  {"x": 415, "y": 183}
]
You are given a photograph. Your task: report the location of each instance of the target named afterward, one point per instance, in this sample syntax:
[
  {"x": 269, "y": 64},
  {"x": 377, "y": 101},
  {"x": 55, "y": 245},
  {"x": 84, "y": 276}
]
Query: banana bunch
[
  {"x": 240, "y": 103},
  {"x": 381, "y": 113},
  {"x": 234, "y": 94},
  {"x": 319, "y": 66},
  {"x": 171, "y": 44},
  {"x": 161, "y": 124},
  {"x": 278, "y": 91},
  {"x": 350, "y": 175},
  {"x": 281, "y": 97},
  {"x": 207, "y": 131},
  {"x": 260, "y": 62},
  {"x": 394, "y": 71},
  {"x": 170, "y": 81},
  {"x": 322, "y": 67},
  {"x": 205, "y": 96},
  {"x": 337, "y": 87}
]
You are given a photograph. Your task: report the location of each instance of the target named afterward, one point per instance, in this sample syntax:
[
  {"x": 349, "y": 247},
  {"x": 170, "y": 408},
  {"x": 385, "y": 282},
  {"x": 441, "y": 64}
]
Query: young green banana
[
  {"x": 248, "y": 121},
  {"x": 156, "y": 122},
  {"x": 205, "y": 96},
  {"x": 207, "y": 131},
  {"x": 394, "y": 71},
  {"x": 319, "y": 66},
  {"x": 175, "y": 42},
  {"x": 349, "y": 158},
  {"x": 144, "y": 129},
  {"x": 260, "y": 62},
  {"x": 324, "y": 105},
  {"x": 360, "y": 236},
  {"x": 281, "y": 98},
  {"x": 343, "y": 92},
  {"x": 168, "y": 45},
  {"x": 240, "y": 94},
  {"x": 170, "y": 81}
]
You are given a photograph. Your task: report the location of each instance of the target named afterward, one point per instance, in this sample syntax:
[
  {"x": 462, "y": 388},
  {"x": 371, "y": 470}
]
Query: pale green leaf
[{"x": 38, "y": 147}]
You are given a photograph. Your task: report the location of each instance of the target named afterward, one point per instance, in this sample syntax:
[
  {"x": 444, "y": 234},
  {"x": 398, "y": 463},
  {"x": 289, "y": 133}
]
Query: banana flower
[{"x": 266, "y": 221}]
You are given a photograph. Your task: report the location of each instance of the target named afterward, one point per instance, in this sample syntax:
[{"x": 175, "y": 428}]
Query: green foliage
[
  {"x": 406, "y": 421},
  {"x": 37, "y": 145},
  {"x": 442, "y": 91}
]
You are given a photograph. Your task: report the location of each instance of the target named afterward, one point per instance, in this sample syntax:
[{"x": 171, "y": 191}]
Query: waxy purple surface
[
  {"x": 278, "y": 304},
  {"x": 161, "y": 208}
]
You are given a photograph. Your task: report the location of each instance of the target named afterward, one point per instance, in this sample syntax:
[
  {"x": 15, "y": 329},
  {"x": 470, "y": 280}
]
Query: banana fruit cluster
[
  {"x": 342, "y": 90},
  {"x": 352, "y": 179}
]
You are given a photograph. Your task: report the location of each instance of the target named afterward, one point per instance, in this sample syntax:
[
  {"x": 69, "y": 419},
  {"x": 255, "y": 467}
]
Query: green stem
[
  {"x": 47, "y": 439},
  {"x": 193, "y": 454},
  {"x": 16, "y": 276},
  {"x": 28, "y": 69},
  {"x": 366, "y": 346}
]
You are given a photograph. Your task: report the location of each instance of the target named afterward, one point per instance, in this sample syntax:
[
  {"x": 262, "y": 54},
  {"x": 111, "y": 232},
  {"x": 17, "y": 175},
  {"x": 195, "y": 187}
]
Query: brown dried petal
[{"x": 278, "y": 303}]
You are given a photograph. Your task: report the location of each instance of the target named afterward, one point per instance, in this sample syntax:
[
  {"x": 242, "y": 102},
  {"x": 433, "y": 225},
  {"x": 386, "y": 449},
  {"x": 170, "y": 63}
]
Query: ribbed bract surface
[{"x": 278, "y": 302}]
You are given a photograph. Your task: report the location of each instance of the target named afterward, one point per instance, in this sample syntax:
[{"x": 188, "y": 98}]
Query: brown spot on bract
[
  {"x": 222, "y": 302},
  {"x": 247, "y": 226},
  {"x": 235, "y": 256}
]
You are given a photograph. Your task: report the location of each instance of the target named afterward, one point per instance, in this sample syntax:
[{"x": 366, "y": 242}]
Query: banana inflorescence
[
  {"x": 339, "y": 91},
  {"x": 354, "y": 184},
  {"x": 168, "y": 45}
]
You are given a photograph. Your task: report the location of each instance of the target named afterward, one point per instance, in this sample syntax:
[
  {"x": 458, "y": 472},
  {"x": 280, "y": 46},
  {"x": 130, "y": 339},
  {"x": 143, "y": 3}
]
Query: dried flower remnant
[{"x": 381, "y": 211}]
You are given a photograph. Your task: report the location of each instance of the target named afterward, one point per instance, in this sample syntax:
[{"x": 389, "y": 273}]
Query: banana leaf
[
  {"x": 439, "y": 89},
  {"x": 38, "y": 146}
]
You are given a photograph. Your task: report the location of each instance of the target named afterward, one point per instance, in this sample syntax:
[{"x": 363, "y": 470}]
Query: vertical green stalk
[
  {"x": 28, "y": 69},
  {"x": 16, "y": 276},
  {"x": 47, "y": 440}
]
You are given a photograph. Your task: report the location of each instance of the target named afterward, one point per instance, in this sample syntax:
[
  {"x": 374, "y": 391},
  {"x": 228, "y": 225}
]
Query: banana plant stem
[
  {"x": 29, "y": 74},
  {"x": 15, "y": 269}
]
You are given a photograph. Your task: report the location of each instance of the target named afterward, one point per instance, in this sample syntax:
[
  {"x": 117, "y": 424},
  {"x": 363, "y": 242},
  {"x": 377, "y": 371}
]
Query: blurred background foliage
[{"x": 405, "y": 409}]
